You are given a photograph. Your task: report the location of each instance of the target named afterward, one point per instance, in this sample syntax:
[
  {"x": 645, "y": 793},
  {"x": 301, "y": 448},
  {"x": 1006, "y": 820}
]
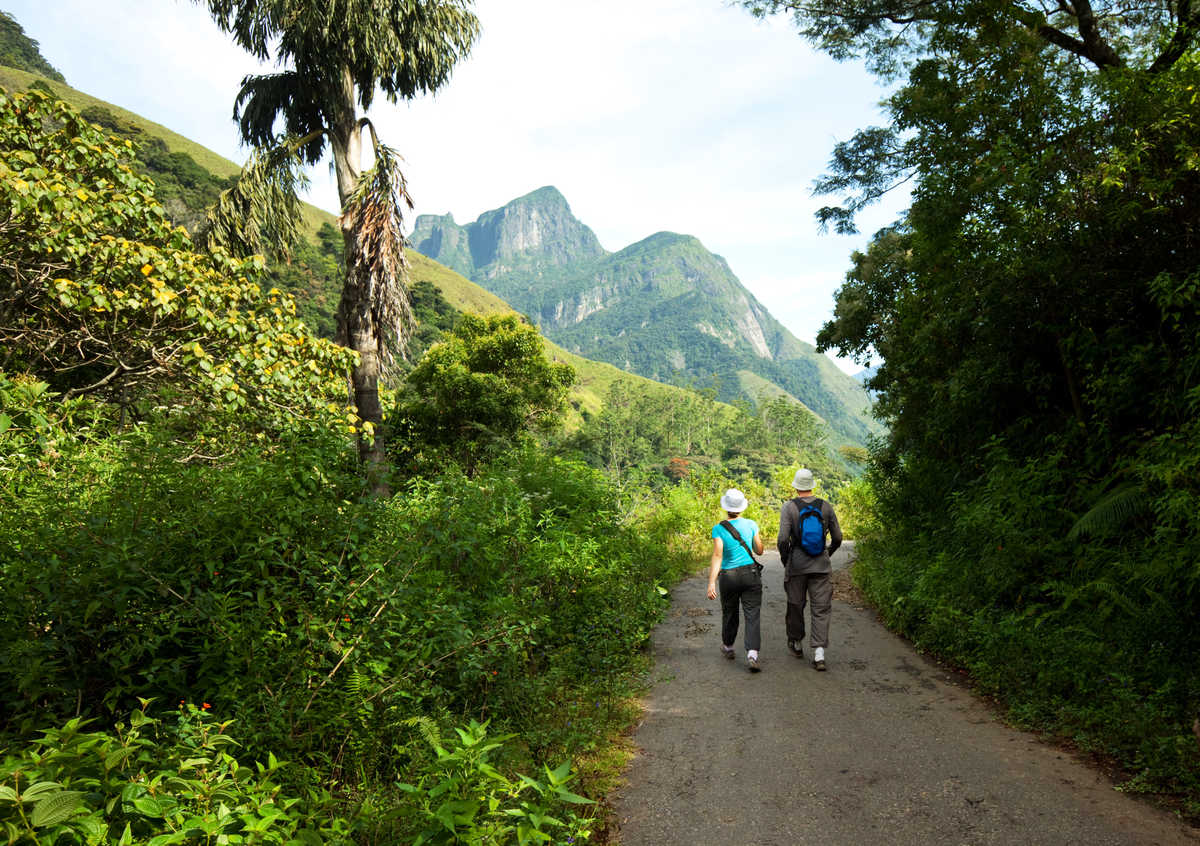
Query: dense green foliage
[
  {"x": 645, "y": 439},
  {"x": 488, "y": 381},
  {"x": 201, "y": 535},
  {"x": 18, "y": 50},
  {"x": 101, "y": 296},
  {"x": 153, "y": 781},
  {"x": 1037, "y": 313}
]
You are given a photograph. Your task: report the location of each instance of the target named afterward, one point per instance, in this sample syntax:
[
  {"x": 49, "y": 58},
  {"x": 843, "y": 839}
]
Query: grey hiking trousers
[{"x": 818, "y": 589}]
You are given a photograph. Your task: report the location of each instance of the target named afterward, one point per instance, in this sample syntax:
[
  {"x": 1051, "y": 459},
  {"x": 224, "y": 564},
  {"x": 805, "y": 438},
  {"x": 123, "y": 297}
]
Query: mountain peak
[
  {"x": 666, "y": 240},
  {"x": 665, "y": 307},
  {"x": 546, "y": 195},
  {"x": 534, "y": 231}
]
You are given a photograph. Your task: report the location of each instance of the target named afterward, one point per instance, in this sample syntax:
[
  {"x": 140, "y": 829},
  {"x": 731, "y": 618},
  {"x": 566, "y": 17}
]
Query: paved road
[{"x": 881, "y": 749}]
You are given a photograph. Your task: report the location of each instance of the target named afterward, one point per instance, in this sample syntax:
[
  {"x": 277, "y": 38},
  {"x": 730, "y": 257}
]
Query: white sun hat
[
  {"x": 734, "y": 500},
  {"x": 803, "y": 480}
]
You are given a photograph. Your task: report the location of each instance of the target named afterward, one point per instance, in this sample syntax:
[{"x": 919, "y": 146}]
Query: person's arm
[
  {"x": 835, "y": 532},
  {"x": 714, "y": 567},
  {"x": 757, "y": 542},
  {"x": 783, "y": 541}
]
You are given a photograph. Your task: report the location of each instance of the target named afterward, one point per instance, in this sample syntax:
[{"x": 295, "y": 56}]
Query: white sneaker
[{"x": 819, "y": 653}]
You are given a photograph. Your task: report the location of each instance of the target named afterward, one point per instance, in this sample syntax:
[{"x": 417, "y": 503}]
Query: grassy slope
[
  {"x": 595, "y": 377},
  {"x": 19, "y": 80}
]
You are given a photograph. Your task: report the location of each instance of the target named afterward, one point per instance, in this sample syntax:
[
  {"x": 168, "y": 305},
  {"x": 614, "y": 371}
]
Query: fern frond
[
  {"x": 427, "y": 728},
  {"x": 1111, "y": 512}
]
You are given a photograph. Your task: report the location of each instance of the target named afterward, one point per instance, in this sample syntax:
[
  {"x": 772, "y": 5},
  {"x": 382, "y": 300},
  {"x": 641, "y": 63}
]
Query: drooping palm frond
[
  {"x": 261, "y": 213},
  {"x": 1111, "y": 511},
  {"x": 403, "y": 47},
  {"x": 421, "y": 44},
  {"x": 374, "y": 214},
  {"x": 252, "y": 23},
  {"x": 262, "y": 100}
]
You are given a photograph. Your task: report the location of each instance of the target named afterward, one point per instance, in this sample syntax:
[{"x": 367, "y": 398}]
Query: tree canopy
[
  {"x": 335, "y": 56},
  {"x": 891, "y": 34},
  {"x": 486, "y": 383},
  {"x": 1036, "y": 311},
  {"x": 101, "y": 296},
  {"x": 339, "y": 54}
]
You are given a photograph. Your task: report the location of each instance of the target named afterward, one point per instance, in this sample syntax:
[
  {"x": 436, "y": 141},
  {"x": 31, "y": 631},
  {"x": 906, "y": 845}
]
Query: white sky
[{"x": 649, "y": 115}]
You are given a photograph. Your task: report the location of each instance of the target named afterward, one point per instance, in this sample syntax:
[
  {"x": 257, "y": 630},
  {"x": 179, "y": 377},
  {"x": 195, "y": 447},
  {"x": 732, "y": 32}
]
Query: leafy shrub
[
  {"x": 1084, "y": 636},
  {"x": 262, "y": 584},
  {"x": 482, "y": 386},
  {"x": 103, "y": 297},
  {"x": 153, "y": 782},
  {"x": 857, "y": 509},
  {"x": 461, "y": 798}
]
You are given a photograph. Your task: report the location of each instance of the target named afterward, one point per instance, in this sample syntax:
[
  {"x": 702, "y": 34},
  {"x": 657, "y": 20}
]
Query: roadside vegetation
[
  {"x": 1036, "y": 312},
  {"x": 211, "y": 632}
]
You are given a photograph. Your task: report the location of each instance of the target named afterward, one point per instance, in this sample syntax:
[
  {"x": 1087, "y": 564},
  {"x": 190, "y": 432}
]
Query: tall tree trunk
[{"x": 358, "y": 327}]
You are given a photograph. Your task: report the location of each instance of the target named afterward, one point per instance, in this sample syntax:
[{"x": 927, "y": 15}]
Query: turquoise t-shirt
[{"x": 733, "y": 554}]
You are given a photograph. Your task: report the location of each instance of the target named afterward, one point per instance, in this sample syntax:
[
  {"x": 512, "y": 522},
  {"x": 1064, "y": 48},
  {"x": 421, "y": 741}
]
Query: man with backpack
[{"x": 808, "y": 571}]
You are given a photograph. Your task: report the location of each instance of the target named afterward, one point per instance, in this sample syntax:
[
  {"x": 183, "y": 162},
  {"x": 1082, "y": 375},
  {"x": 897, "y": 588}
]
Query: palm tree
[{"x": 335, "y": 55}]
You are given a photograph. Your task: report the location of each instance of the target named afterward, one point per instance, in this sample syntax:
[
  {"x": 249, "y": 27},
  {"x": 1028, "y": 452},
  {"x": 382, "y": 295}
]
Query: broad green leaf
[
  {"x": 148, "y": 806},
  {"x": 34, "y": 791},
  {"x": 308, "y": 837},
  {"x": 56, "y": 808},
  {"x": 573, "y": 798}
]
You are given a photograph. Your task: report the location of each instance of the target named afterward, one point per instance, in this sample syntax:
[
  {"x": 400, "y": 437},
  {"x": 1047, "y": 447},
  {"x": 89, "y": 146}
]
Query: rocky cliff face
[
  {"x": 532, "y": 232},
  {"x": 665, "y": 307}
]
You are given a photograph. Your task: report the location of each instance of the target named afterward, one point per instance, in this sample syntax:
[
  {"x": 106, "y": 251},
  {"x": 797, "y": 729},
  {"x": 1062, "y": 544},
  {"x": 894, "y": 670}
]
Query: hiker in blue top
[{"x": 734, "y": 569}]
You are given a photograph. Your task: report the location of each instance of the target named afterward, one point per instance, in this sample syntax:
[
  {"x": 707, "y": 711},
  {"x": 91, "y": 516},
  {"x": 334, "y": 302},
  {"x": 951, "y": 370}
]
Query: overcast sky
[{"x": 649, "y": 115}]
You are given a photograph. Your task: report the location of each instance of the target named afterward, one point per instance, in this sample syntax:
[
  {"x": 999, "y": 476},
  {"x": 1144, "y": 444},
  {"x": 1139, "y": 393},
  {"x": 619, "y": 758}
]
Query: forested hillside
[
  {"x": 1037, "y": 314},
  {"x": 17, "y": 50},
  {"x": 665, "y": 307}
]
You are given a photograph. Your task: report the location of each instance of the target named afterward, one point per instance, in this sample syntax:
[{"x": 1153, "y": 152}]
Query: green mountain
[{"x": 665, "y": 307}]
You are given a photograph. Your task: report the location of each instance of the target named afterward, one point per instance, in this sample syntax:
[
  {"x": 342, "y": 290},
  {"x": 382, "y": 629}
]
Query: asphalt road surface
[{"x": 883, "y": 748}]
